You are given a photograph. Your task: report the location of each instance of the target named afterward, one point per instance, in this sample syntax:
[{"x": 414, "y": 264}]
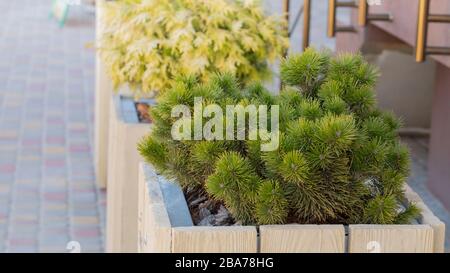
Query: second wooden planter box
[
  {"x": 125, "y": 131},
  {"x": 165, "y": 225}
]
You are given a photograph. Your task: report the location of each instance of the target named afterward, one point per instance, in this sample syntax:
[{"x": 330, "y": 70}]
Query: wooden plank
[
  {"x": 127, "y": 174},
  {"x": 114, "y": 197},
  {"x": 390, "y": 239},
  {"x": 429, "y": 218},
  {"x": 157, "y": 234},
  {"x": 230, "y": 239},
  {"x": 142, "y": 208},
  {"x": 302, "y": 239},
  {"x": 143, "y": 216},
  {"x": 123, "y": 171}
]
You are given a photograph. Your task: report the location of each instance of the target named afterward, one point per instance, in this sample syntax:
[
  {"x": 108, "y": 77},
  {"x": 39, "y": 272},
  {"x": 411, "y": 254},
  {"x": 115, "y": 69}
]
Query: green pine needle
[
  {"x": 271, "y": 206},
  {"x": 381, "y": 210},
  {"x": 339, "y": 159}
]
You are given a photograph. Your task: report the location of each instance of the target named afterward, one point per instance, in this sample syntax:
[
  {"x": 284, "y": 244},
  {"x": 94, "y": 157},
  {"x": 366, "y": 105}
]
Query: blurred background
[{"x": 48, "y": 192}]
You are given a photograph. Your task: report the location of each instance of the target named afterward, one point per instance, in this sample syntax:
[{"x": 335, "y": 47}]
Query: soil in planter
[
  {"x": 206, "y": 211},
  {"x": 143, "y": 112}
]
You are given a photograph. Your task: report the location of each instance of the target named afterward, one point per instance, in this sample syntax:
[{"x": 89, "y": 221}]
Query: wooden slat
[
  {"x": 141, "y": 208},
  {"x": 157, "y": 228},
  {"x": 127, "y": 174},
  {"x": 428, "y": 218},
  {"x": 143, "y": 221},
  {"x": 158, "y": 234},
  {"x": 390, "y": 239},
  {"x": 302, "y": 239},
  {"x": 114, "y": 197},
  {"x": 123, "y": 177},
  {"x": 241, "y": 239}
]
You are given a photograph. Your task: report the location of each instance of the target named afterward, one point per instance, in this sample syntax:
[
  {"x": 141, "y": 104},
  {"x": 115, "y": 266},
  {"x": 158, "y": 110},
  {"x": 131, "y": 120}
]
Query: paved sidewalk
[{"x": 48, "y": 195}]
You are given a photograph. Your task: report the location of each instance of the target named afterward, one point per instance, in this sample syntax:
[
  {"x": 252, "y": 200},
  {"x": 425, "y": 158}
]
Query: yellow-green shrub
[{"x": 147, "y": 44}]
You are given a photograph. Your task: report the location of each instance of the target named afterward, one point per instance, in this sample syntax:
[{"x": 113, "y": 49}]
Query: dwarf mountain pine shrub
[
  {"x": 339, "y": 158},
  {"x": 145, "y": 44}
]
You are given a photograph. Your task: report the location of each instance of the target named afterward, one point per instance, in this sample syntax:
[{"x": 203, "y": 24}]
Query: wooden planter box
[
  {"x": 165, "y": 225},
  {"x": 125, "y": 131}
]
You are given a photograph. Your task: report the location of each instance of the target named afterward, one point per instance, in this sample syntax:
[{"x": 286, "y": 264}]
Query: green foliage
[
  {"x": 147, "y": 44},
  {"x": 404, "y": 217},
  {"x": 339, "y": 158},
  {"x": 236, "y": 183},
  {"x": 306, "y": 71},
  {"x": 272, "y": 205},
  {"x": 381, "y": 210}
]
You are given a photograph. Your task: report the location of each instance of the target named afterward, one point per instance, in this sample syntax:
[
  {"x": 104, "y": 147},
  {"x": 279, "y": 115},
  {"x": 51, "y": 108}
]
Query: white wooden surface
[
  {"x": 390, "y": 239},
  {"x": 428, "y": 218},
  {"x": 103, "y": 90},
  {"x": 195, "y": 239},
  {"x": 142, "y": 210},
  {"x": 122, "y": 194},
  {"x": 156, "y": 237},
  {"x": 302, "y": 239},
  {"x": 113, "y": 196}
]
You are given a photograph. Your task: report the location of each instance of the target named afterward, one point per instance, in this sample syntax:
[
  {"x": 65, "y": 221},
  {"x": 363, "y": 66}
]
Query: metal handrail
[
  {"x": 423, "y": 19},
  {"x": 306, "y": 11},
  {"x": 363, "y": 15}
]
